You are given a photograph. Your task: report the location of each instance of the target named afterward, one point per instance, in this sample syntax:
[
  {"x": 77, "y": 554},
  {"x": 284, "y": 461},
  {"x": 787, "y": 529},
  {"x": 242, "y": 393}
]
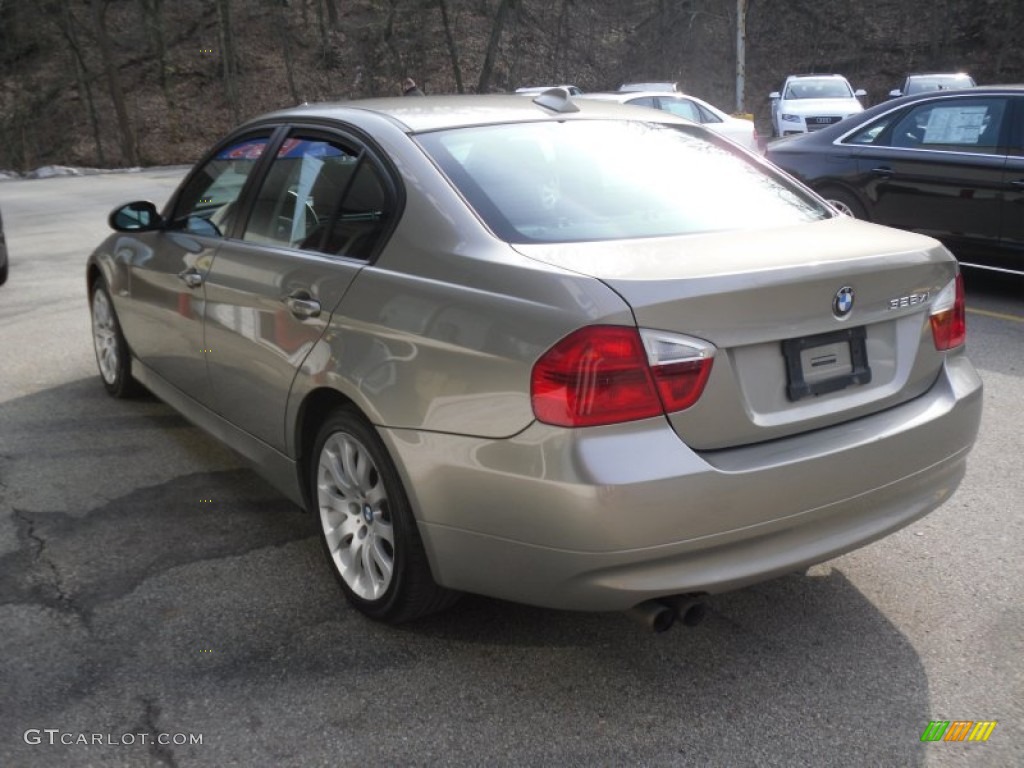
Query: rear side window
[
  {"x": 320, "y": 195},
  {"x": 683, "y": 108},
  {"x": 963, "y": 125},
  {"x": 581, "y": 180}
]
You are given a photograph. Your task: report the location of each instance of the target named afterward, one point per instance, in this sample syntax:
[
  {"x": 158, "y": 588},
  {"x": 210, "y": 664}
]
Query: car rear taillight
[
  {"x": 606, "y": 374},
  {"x": 948, "y": 316}
]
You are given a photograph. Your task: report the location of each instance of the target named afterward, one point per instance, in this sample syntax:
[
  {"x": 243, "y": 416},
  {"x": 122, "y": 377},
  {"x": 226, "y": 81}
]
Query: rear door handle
[
  {"x": 1018, "y": 183},
  {"x": 301, "y": 304},
  {"x": 191, "y": 277},
  {"x": 883, "y": 171}
]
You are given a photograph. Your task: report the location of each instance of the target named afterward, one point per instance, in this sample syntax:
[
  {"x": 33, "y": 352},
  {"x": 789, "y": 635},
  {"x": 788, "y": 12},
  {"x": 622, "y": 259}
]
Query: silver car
[{"x": 572, "y": 354}]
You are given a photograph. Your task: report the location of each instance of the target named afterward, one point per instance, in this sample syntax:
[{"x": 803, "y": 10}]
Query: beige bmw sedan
[{"x": 566, "y": 353}]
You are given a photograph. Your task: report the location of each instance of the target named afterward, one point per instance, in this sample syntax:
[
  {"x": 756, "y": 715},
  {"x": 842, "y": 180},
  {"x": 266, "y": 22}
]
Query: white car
[
  {"x": 736, "y": 129},
  {"x": 811, "y": 102}
]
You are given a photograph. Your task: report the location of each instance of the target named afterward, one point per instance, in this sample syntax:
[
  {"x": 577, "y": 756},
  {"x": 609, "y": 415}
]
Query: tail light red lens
[
  {"x": 948, "y": 316},
  {"x": 606, "y": 374}
]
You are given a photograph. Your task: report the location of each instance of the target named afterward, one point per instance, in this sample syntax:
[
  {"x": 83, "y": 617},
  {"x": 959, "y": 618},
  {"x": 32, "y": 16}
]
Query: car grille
[{"x": 821, "y": 121}]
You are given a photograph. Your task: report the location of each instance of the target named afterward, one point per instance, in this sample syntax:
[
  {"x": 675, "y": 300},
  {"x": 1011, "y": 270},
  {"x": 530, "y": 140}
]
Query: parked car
[
  {"x": 933, "y": 82},
  {"x": 555, "y": 351},
  {"x": 3, "y": 254},
  {"x": 535, "y": 89},
  {"x": 739, "y": 130},
  {"x": 661, "y": 85},
  {"x": 949, "y": 164},
  {"x": 812, "y": 102}
]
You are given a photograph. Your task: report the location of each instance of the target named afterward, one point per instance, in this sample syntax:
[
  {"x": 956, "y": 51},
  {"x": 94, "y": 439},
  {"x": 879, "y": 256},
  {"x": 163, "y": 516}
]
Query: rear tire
[
  {"x": 113, "y": 357},
  {"x": 367, "y": 527},
  {"x": 845, "y": 202}
]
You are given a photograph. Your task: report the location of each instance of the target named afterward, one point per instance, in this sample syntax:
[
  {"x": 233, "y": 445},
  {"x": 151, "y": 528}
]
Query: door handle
[
  {"x": 883, "y": 171},
  {"x": 191, "y": 277},
  {"x": 1018, "y": 183},
  {"x": 301, "y": 304}
]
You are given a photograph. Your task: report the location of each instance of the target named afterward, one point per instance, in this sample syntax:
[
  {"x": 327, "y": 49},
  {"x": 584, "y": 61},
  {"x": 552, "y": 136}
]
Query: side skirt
[{"x": 279, "y": 470}]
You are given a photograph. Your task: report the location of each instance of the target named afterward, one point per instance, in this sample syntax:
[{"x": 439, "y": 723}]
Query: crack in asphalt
[
  {"x": 161, "y": 752},
  {"x": 76, "y": 563},
  {"x": 63, "y": 602}
]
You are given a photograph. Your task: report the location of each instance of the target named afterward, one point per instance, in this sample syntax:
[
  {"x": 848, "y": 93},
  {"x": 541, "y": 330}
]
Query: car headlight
[{"x": 791, "y": 118}]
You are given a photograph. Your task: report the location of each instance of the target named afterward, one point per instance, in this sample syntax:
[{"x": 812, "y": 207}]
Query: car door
[
  {"x": 162, "y": 313},
  {"x": 939, "y": 170},
  {"x": 318, "y": 216}
]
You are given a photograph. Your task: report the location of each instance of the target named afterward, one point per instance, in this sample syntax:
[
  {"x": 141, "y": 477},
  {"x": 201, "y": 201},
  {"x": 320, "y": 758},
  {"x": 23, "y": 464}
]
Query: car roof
[
  {"x": 429, "y": 113},
  {"x": 621, "y": 95},
  {"x": 938, "y": 74},
  {"x": 819, "y": 75}
]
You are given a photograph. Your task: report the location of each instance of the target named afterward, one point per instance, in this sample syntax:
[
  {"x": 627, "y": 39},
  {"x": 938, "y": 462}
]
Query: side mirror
[
  {"x": 860, "y": 93},
  {"x": 774, "y": 95},
  {"x": 140, "y": 216},
  {"x": 895, "y": 93}
]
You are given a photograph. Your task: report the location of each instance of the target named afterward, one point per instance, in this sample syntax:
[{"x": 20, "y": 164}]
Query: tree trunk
[
  {"x": 67, "y": 28},
  {"x": 453, "y": 50},
  {"x": 332, "y": 14},
  {"x": 285, "y": 33},
  {"x": 484, "y": 85},
  {"x": 229, "y": 67},
  {"x": 124, "y": 125}
]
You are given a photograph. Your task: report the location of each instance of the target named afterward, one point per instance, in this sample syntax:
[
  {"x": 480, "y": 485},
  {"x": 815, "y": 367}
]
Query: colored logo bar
[{"x": 959, "y": 730}]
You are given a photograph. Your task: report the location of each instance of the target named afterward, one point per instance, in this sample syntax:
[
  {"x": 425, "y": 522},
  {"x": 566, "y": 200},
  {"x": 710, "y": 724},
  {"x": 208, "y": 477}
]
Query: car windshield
[
  {"x": 823, "y": 88},
  {"x": 938, "y": 83},
  {"x": 580, "y": 180}
]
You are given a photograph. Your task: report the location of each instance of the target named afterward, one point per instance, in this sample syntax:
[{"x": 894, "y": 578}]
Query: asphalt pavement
[{"x": 161, "y": 605}]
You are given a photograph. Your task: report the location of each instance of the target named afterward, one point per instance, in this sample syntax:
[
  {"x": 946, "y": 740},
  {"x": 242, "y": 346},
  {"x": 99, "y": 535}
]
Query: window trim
[
  {"x": 270, "y": 132},
  {"x": 845, "y": 142},
  {"x": 364, "y": 149}
]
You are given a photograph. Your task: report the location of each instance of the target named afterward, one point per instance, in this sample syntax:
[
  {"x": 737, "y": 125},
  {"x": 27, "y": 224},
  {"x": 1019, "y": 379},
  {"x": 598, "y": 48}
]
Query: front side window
[
  {"x": 320, "y": 195},
  {"x": 960, "y": 125},
  {"x": 207, "y": 204},
  {"x": 581, "y": 180}
]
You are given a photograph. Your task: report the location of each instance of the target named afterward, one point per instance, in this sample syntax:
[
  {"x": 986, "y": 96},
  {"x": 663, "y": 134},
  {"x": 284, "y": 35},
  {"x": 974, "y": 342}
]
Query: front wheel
[
  {"x": 112, "y": 355},
  {"x": 367, "y": 527}
]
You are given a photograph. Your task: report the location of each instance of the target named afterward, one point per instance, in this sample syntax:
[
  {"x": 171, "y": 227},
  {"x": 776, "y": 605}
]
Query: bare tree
[
  {"x": 128, "y": 148},
  {"x": 284, "y": 33},
  {"x": 487, "y": 70},
  {"x": 228, "y": 55},
  {"x": 453, "y": 50}
]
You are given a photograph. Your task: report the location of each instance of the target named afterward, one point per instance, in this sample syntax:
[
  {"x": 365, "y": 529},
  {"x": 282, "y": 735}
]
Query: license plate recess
[{"x": 826, "y": 362}]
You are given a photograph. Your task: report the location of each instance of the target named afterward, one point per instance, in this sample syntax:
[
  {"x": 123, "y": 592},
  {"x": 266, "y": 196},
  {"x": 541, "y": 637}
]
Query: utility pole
[{"x": 741, "y": 54}]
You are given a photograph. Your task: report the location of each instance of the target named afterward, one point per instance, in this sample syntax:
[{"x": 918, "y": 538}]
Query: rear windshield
[
  {"x": 937, "y": 83},
  {"x": 587, "y": 180}
]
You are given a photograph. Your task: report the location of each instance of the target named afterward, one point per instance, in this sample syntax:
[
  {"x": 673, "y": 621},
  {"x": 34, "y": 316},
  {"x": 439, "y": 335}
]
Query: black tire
[
  {"x": 113, "y": 358},
  {"x": 366, "y": 524},
  {"x": 3, "y": 273},
  {"x": 845, "y": 202}
]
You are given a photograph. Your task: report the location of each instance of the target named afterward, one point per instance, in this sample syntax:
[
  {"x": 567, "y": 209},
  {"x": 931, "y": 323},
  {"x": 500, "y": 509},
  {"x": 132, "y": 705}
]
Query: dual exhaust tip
[{"x": 660, "y": 615}]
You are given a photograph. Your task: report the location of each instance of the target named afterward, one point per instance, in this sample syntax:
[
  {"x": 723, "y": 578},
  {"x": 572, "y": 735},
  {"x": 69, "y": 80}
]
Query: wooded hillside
[{"x": 130, "y": 82}]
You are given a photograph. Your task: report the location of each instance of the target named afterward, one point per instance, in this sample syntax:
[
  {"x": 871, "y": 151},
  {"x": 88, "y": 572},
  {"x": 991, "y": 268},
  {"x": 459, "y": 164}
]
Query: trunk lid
[{"x": 785, "y": 363}]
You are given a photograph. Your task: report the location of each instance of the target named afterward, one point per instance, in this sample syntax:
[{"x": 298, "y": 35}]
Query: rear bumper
[{"x": 604, "y": 518}]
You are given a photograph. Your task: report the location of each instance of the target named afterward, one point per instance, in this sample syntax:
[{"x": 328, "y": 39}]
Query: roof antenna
[{"x": 557, "y": 100}]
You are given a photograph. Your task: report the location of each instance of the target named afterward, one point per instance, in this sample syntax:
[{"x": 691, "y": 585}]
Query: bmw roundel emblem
[{"x": 843, "y": 301}]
